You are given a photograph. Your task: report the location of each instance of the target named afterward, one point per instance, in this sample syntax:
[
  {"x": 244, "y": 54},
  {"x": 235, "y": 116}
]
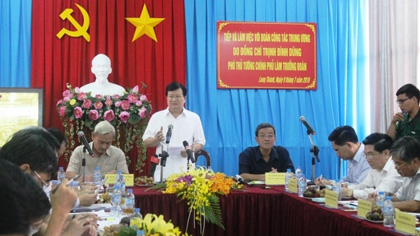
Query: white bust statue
[{"x": 101, "y": 67}]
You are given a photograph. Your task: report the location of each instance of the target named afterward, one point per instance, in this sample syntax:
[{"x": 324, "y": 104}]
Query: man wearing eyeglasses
[
  {"x": 254, "y": 162},
  {"x": 186, "y": 126},
  {"x": 383, "y": 176},
  {"x": 406, "y": 156},
  {"x": 406, "y": 122}
]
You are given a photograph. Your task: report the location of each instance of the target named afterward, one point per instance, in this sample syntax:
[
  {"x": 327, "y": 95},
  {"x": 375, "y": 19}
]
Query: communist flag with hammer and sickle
[{"x": 145, "y": 40}]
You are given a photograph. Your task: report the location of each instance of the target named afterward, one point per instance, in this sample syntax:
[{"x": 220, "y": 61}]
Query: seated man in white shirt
[
  {"x": 383, "y": 176},
  {"x": 406, "y": 156},
  {"x": 345, "y": 143}
]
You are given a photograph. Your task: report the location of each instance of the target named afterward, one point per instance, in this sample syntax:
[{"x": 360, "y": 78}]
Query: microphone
[
  {"x": 169, "y": 134},
  {"x": 85, "y": 143},
  {"x": 154, "y": 161},
  {"x": 189, "y": 153},
  {"x": 310, "y": 130}
]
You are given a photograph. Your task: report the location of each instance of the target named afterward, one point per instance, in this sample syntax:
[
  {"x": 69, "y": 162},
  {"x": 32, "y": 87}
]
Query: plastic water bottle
[
  {"x": 136, "y": 216},
  {"x": 140, "y": 232},
  {"x": 61, "y": 174},
  {"x": 380, "y": 199},
  {"x": 116, "y": 201},
  {"x": 298, "y": 172},
  {"x": 302, "y": 185},
  {"x": 336, "y": 187},
  {"x": 97, "y": 175},
  {"x": 121, "y": 181},
  {"x": 286, "y": 179},
  {"x": 128, "y": 207},
  {"x": 388, "y": 212}
]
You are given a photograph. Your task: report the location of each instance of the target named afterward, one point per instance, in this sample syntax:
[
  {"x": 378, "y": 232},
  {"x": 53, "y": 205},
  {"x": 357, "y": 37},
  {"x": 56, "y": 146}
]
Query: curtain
[
  {"x": 393, "y": 53},
  {"x": 56, "y": 62},
  {"x": 230, "y": 116},
  {"x": 15, "y": 43}
]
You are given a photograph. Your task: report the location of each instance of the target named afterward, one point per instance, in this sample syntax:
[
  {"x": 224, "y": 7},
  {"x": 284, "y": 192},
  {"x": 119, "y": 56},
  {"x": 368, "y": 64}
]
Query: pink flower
[
  {"x": 108, "y": 101},
  {"x": 136, "y": 89},
  {"x": 77, "y": 112},
  {"x": 125, "y": 104},
  {"x": 132, "y": 98},
  {"x": 87, "y": 104},
  {"x": 98, "y": 105},
  {"x": 124, "y": 116},
  {"x": 116, "y": 96},
  {"x": 118, "y": 104},
  {"x": 139, "y": 103},
  {"x": 66, "y": 93},
  {"x": 98, "y": 96},
  {"x": 77, "y": 90},
  {"x": 143, "y": 98},
  {"x": 66, "y": 99},
  {"x": 62, "y": 111},
  {"x": 81, "y": 96},
  {"x": 143, "y": 112},
  {"x": 59, "y": 102},
  {"x": 109, "y": 115},
  {"x": 93, "y": 114}
]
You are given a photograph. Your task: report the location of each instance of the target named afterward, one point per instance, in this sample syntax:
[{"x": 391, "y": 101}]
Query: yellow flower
[{"x": 73, "y": 102}]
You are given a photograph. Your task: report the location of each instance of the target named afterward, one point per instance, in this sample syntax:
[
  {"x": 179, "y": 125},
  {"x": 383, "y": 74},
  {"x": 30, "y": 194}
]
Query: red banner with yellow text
[{"x": 266, "y": 55}]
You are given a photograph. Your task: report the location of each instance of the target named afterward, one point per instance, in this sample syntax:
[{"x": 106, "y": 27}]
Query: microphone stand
[
  {"x": 83, "y": 164},
  {"x": 314, "y": 150},
  {"x": 163, "y": 156}
]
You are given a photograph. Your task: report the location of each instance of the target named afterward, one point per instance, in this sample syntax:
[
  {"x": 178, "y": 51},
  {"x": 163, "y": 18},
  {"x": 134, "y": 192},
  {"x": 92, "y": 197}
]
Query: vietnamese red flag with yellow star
[{"x": 144, "y": 39}]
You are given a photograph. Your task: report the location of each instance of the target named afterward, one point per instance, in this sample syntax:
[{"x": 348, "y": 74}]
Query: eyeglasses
[
  {"x": 176, "y": 97},
  {"x": 44, "y": 183},
  {"x": 399, "y": 166},
  {"x": 401, "y": 101},
  {"x": 263, "y": 136}
]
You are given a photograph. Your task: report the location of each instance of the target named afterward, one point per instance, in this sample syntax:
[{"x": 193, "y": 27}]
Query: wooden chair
[{"x": 204, "y": 153}]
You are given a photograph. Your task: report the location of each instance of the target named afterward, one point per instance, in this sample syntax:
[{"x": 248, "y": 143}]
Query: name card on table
[
  {"x": 275, "y": 178},
  {"x": 129, "y": 179},
  {"x": 293, "y": 188},
  {"x": 363, "y": 207},
  {"x": 331, "y": 198},
  {"x": 405, "y": 222}
]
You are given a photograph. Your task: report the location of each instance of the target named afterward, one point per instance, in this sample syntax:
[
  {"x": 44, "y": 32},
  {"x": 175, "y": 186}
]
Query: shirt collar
[{"x": 359, "y": 154}]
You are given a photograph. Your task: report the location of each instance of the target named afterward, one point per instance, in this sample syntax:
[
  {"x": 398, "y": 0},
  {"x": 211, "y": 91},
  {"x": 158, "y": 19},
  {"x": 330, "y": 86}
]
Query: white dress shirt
[
  {"x": 410, "y": 190},
  {"x": 186, "y": 127},
  {"x": 358, "y": 168},
  {"x": 387, "y": 180}
]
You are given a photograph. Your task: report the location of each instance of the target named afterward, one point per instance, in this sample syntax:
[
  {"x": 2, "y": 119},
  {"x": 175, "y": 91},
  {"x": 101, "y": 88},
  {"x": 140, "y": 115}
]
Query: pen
[{"x": 70, "y": 181}]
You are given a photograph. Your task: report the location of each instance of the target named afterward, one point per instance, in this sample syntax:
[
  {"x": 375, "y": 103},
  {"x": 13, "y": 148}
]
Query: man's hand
[
  {"x": 82, "y": 224},
  {"x": 159, "y": 135},
  {"x": 87, "y": 199},
  {"x": 63, "y": 198},
  {"x": 397, "y": 117},
  {"x": 346, "y": 192},
  {"x": 273, "y": 170}
]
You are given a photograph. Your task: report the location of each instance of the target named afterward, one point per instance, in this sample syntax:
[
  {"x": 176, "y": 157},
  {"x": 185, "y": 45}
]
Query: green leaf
[
  {"x": 126, "y": 231},
  {"x": 213, "y": 213}
]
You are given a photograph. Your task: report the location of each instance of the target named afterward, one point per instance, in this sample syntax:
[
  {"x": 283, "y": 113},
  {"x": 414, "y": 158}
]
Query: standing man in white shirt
[
  {"x": 383, "y": 176},
  {"x": 186, "y": 127}
]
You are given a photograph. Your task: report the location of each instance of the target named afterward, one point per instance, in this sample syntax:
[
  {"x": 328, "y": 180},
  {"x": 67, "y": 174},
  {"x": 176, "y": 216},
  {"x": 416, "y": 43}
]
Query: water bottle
[
  {"x": 380, "y": 199},
  {"x": 61, "y": 174},
  {"x": 97, "y": 175},
  {"x": 136, "y": 216},
  {"x": 120, "y": 180},
  {"x": 388, "y": 212},
  {"x": 140, "y": 232},
  {"x": 128, "y": 207},
  {"x": 286, "y": 179},
  {"x": 302, "y": 185},
  {"x": 116, "y": 201},
  {"x": 336, "y": 187},
  {"x": 298, "y": 172}
]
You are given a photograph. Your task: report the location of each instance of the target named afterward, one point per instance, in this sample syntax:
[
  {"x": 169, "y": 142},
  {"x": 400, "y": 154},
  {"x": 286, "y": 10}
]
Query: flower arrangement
[
  {"x": 200, "y": 187},
  {"x": 152, "y": 225},
  {"x": 127, "y": 113}
]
